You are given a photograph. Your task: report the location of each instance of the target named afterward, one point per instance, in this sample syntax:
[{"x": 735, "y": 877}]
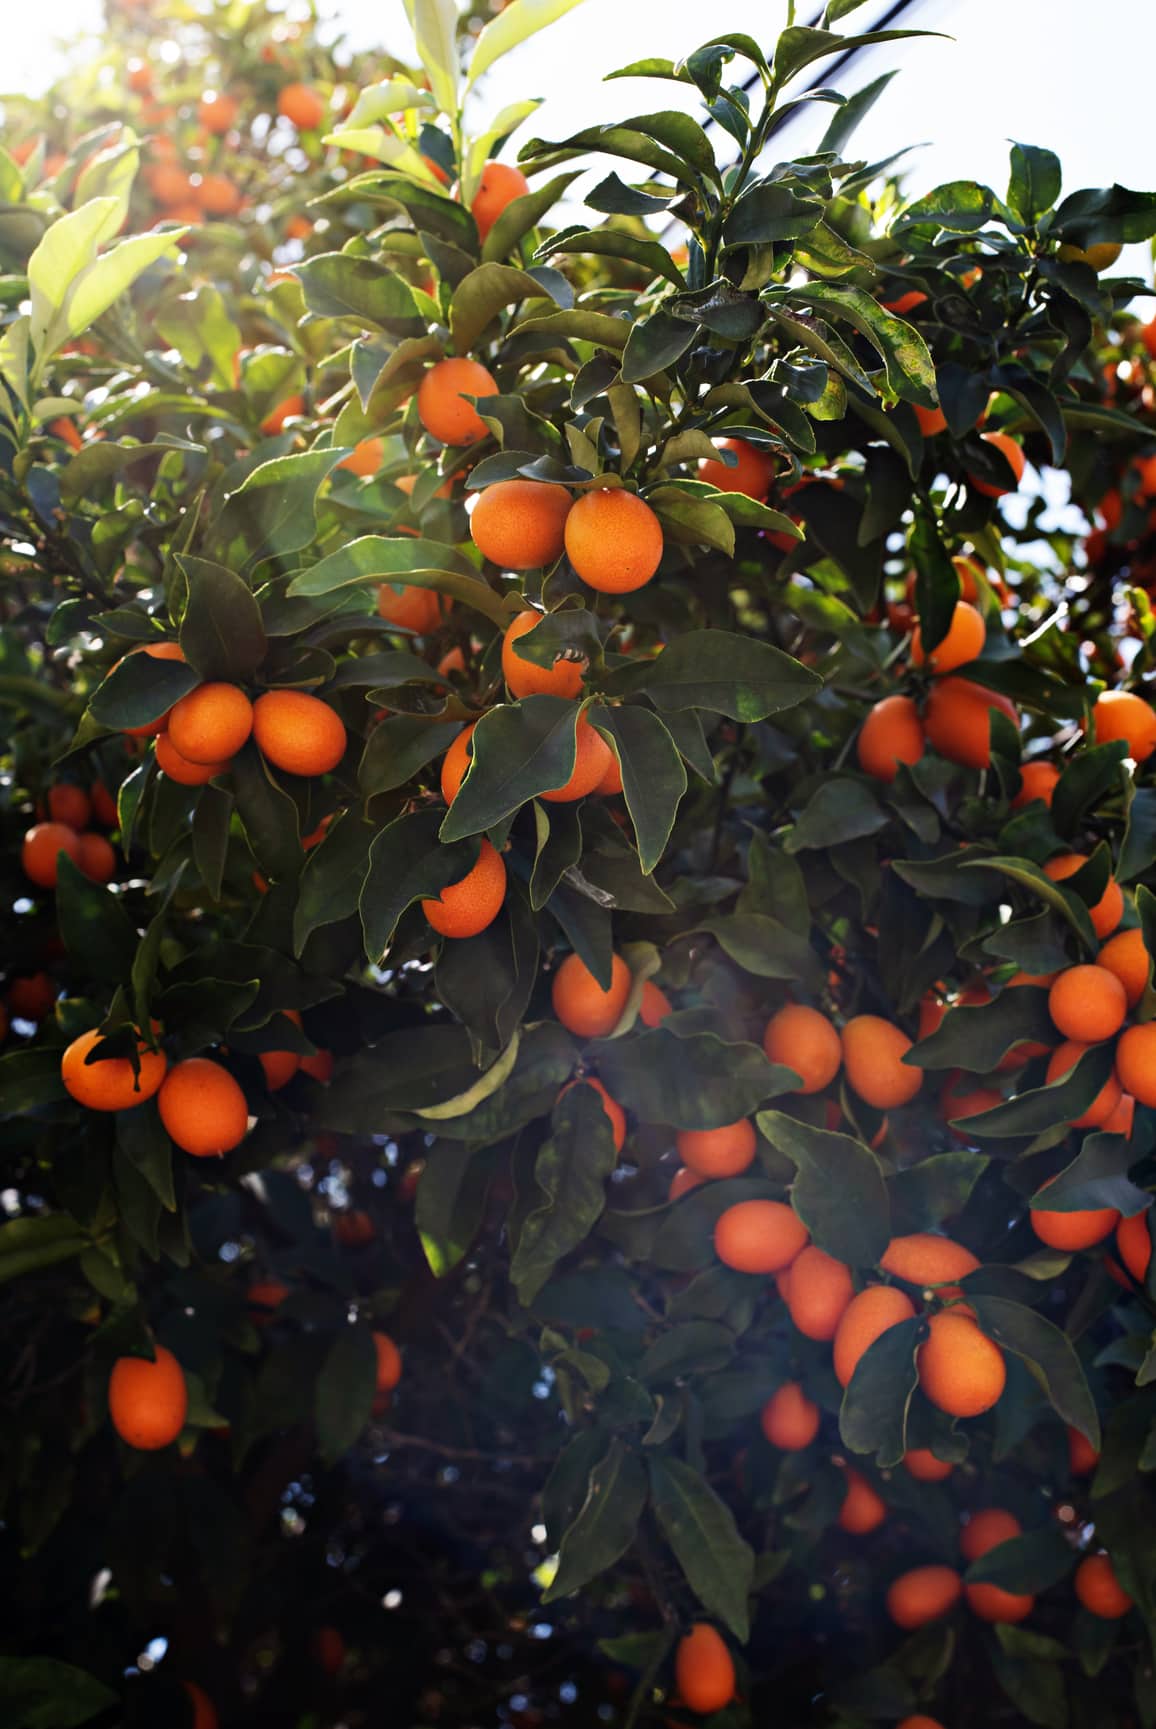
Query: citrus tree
[{"x": 580, "y": 1043}]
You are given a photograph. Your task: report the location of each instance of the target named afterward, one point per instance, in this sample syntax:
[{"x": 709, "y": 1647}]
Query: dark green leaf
[
  {"x": 406, "y": 863},
  {"x": 345, "y": 1390},
  {"x": 839, "y": 1191},
  {"x": 697, "y": 1082},
  {"x": 519, "y": 750},
  {"x": 722, "y": 672},
  {"x": 329, "y": 888},
  {"x": 94, "y": 926},
  {"x": 221, "y": 633},
  {"x": 40, "y": 1693},
  {"x": 655, "y": 343},
  {"x": 339, "y": 285},
  {"x": 653, "y": 778},
  {"x": 606, "y": 1521},
  {"x": 838, "y": 811},
  {"x": 139, "y": 690},
  {"x": 1035, "y": 181},
  {"x": 1049, "y": 1355},
  {"x": 1033, "y": 1562},
  {"x": 873, "y": 1416},
  {"x": 272, "y": 512},
  {"x": 978, "y": 1038},
  {"x": 700, "y": 1528},
  {"x": 570, "y": 1173}
]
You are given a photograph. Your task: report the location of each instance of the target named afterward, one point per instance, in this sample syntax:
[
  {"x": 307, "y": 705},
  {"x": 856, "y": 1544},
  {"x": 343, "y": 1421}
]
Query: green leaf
[
  {"x": 907, "y": 363},
  {"x": 481, "y": 295},
  {"x": 1065, "y": 901},
  {"x": 766, "y": 947},
  {"x": 329, "y": 888},
  {"x": 1033, "y": 1562},
  {"x": 611, "y": 243},
  {"x": 700, "y": 1528},
  {"x": 340, "y": 285},
  {"x": 26, "y": 1245},
  {"x": 416, "y": 563},
  {"x": 978, "y": 1038},
  {"x": 1049, "y": 1355},
  {"x": 769, "y": 210},
  {"x": 40, "y": 1693},
  {"x": 1138, "y": 849},
  {"x": 936, "y": 581},
  {"x": 268, "y": 815},
  {"x": 653, "y": 778},
  {"x": 1035, "y": 181},
  {"x": 839, "y": 1191},
  {"x": 799, "y": 46},
  {"x": 570, "y": 1173},
  {"x": 1091, "y": 774},
  {"x": 935, "y": 1189},
  {"x": 273, "y": 511},
  {"x": 838, "y": 811},
  {"x": 443, "y": 1225},
  {"x": 210, "y": 835},
  {"x": 94, "y": 926},
  {"x": 606, "y": 1522},
  {"x": 107, "y": 278},
  {"x": 845, "y": 120},
  {"x": 695, "y": 1347},
  {"x": 1109, "y": 213},
  {"x": 720, "y": 671},
  {"x": 873, "y": 1415},
  {"x": 521, "y": 215},
  {"x": 960, "y": 207},
  {"x": 139, "y": 690},
  {"x": 345, "y": 1390},
  {"x": 221, "y": 633},
  {"x": 407, "y": 863},
  {"x": 519, "y": 750},
  {"x": 654, "y": 344},
  {"x": 1040, "y": 1109},
  {"x": 696, "y": 1082},
  {"x": 143, "y": 1141}
]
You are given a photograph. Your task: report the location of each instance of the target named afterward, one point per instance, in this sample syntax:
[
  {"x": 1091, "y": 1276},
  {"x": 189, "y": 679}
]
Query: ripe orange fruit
[
  {"x": 873, "y": 1052},
  {"x": 753, "y": 473},
  {"x": 984, "y": 1531},
  {"x": 802, "y": 1039},
  {"x": 409, "y": 607},
  {"x": 279, "y": 1067},
  {"x": 1122, "y": 1118},
  {"x": 290, "y": 409},
  {"x": 109, "y": 1084},
  {"x": 204, "y": 1711},
  {"x": 925, "y": 1259},
  {"x": 759, "y": 1236},
  {"x": 919, "y": 1721},
  {"x": 963, "y": 642},
  {"x": 866, "y": 1316},
  {"x": 441, "y": 400},
  {"x": 613, "y": 1110},
  {"x": 1134, "y": 1245},
  {"x": 863, "y": 1509},
  {"x": 466, "y": 907},
  {"x": 388, "y": 1362},
  {"x": 592, "y": 759},
  {"x": 906, "y": 302},
  {"x": 1008, "y": 447},
  {"x": 455, "y": 763},
  {"x": 1108, "y": 910},
  {"x": 524, "y": 677},
  {"x": 180, "y": 769},
  {"x": 298, "y": 732},
  {"x": 1065, "y": 1057},
  {"x": 704, "y": 1670},
  {"x": 96, "y": 858},
  {"x": 329, "y": 1649},
  {"x": 655, "y": 1005},
  {"x": 365, "y": 458},
  {"x": 932, "y": 421},
  {"x": 892, "y": 733},
  {"x": 217, "y": 195},
  {"x": 1087, "y": 1003},
  {"x": 69, "y": 804},
  {"x": 169, "y": 184},
  {"x": 682, "y": 1182},
  {"x": 1125, "y": 955},
  {"x": 960, "y": 1369},
  {"x": 301, "y": 104},
  {"x": 1099, "y": 256},
  {"x": 140, "y": 78},
  {"x": 103, "y": 805},
  {"x": 957, "y": 1105},
  {"x": 31, "y": 997},
  {"x": 1099, "y": 1590},
  {"x": 790, "y": 1420},
  {"x": 922, "y": 1595},
  {"x": 354, "y": 1230},
  {"x": 1073, "y": 1230},
  {"x": 41, "y": 849},
  {"x": 1037, "y": 781},
  {"x": 580, "y": 1002},
  {"x": 1082, "y": 1456},
  {"x": 217, "y": 112},
  {"x": 1122, "y": 714},
  {"x": 520, "y": 524},
  {"x": 957, "y": 720},
  {"x": 500, "y": 185},
  {"x": 203, "y": 1108},
  {"x": 319, "y": 1066},
  {"x": 1136, "y": 1062},
  {"x": 265, "y": 1296},
  {"x": 147, "y": 1401},
  {"x": 921, "y": 1463},
  {"x": 820, "y": 1291},
  {"x": 611, "y": 781},
  {"x": 210, "y": 724},
  {"x": 721, "y": 1152},
  {"x": 613, "y": 540}
]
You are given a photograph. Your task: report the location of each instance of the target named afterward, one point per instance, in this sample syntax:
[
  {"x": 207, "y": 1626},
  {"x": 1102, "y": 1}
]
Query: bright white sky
[{"x": 1044, "y": 71}]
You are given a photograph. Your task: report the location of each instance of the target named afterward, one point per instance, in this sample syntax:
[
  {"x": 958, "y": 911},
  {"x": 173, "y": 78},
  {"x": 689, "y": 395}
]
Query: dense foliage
[{"x": 575, "y": 831}]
